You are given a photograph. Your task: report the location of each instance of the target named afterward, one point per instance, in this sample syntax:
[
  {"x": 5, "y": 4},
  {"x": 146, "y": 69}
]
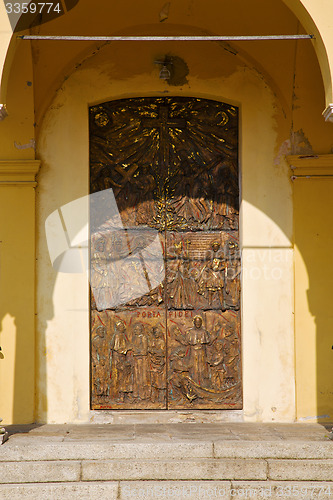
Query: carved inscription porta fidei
[{"x": 164, "y": 255}]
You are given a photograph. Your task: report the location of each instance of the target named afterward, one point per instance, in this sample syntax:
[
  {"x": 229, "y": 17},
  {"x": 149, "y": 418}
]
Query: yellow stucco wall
[
  {"x": 266, "y": 229},
  {"x": 313, "y": 217},
  {"x": 17, "y": 290},
  {"x": 17, "y": 235},
  {"x": 281, "y": 95}
]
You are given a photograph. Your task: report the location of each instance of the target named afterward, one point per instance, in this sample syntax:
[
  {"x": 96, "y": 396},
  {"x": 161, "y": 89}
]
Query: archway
[{"x": 260, "y": 80}]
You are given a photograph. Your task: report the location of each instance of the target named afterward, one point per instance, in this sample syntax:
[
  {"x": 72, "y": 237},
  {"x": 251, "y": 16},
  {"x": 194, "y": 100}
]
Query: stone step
[
  {"x": 168, "y": 490},
  {"x": 167, "y": 469},
  {"x": 164, "y": 462},
  {"x": 57, "y": 491},
  {"x": 37, "y": 448}
]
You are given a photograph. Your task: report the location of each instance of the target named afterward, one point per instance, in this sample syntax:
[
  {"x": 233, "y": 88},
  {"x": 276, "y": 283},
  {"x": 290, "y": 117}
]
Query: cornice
[
  {"x": 311, "y": 166},
  {"x": 19, "y": 171}
]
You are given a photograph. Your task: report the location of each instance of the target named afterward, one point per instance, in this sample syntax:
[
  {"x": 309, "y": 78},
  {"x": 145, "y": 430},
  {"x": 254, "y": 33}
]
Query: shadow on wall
[{"x": 314, "y": 240}]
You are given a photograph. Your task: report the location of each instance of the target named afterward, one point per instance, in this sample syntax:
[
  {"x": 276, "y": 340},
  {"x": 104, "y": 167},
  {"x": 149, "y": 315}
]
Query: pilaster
[
  {"x": 17, "y": 290},
  {"x": 313, "y": 242}
]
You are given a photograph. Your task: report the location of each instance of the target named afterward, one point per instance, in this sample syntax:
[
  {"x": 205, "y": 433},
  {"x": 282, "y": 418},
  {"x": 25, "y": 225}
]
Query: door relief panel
[{"x": 165, "y": 278}]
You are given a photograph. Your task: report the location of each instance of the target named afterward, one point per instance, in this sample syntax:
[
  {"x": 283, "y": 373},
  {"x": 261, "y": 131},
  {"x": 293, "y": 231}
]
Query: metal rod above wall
[{"x": 165, "y": 38}]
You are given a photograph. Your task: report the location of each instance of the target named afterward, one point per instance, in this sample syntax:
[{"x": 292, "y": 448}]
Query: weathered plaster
[{"x": 266, "y": 215}]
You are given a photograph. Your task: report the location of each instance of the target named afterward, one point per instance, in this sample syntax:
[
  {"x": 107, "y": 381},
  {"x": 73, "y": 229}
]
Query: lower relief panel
[
  {"x": 204, "y": 365},
  {"x": 129, "y": 359}
]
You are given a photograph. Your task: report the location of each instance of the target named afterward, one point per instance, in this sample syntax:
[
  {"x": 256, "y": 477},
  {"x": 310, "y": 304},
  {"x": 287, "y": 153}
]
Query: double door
[{"x": 165, "y": 265}]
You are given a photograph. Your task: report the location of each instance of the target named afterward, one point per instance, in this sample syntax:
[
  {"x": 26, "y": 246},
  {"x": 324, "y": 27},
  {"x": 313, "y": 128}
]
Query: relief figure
[
  {"x": 233, "y": 270},
  {"x": 231, "y": 349},
  {"x": 99, "y": 276},
  {"x": 217, "y": 367},
  {"x": 109, "y": 277},
  {"x": 195, "y": 369},
  {"x": 141, "y": 373},
  {"x": 180, "y": 384},
  {"x": 211, "y": 280},
  {"x": 196, "y": 361},
  {"x": 101, "y": 361},
  {"x": 197, "y": 339},
  {"x": 181, "y": 284},
  {"x": 157, "y": 350},
  {"x": 121, "y": 369}
]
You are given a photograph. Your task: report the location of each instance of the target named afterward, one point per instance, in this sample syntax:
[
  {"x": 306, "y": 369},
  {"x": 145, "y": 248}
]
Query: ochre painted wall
[
  {"x": 280, "y": 91},
  {"x": 266, "y": 224},
  {"x": 17, "y": 290},
  {"x": 313, "y": 219},
  {"x": 18, "y": 169}
]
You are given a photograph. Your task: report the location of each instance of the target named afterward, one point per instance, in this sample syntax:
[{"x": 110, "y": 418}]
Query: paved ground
[{"x": 170, "y": 432}]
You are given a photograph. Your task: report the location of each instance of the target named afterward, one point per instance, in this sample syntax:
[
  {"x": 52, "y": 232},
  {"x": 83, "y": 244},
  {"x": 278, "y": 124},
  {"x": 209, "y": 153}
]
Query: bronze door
[{"x": 165, "y": 269}]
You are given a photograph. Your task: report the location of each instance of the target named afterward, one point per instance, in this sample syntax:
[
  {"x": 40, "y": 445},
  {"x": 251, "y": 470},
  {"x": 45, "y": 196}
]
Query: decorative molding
[
  {"x": 311, "y": 166},
  {"x": 328, "y": 113},
  {"x": 20, "y": 172},
  {"x": 3, "y": 112}
]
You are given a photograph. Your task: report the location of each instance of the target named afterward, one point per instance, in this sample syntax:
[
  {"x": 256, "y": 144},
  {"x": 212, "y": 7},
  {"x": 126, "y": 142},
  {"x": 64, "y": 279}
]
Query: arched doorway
[{"x": 66, "y": 82}]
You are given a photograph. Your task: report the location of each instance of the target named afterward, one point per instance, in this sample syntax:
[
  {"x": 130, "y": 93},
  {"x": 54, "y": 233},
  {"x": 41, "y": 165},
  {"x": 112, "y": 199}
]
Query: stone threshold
[{"x": 164, "y": 416}]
